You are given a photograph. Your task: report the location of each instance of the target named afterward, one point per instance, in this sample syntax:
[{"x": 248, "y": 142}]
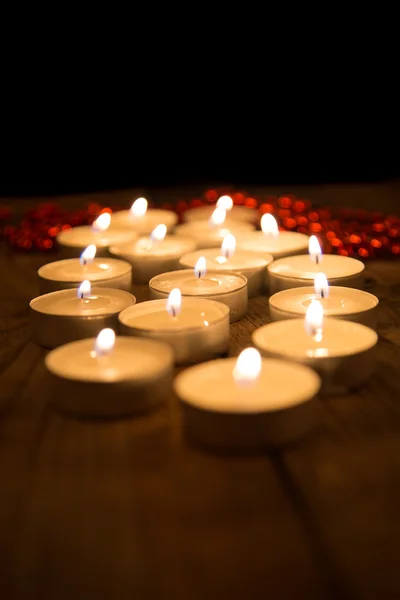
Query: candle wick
[
  {"x": 317, "y": 259},
  {"x": 322, "y": 294}
]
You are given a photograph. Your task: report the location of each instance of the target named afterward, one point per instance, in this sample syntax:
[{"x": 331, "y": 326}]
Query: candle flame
[
  {"x": 139, "y": 208},
  {"x": 314, "y": 249},
  {"x": 102, "y": 223},
  {"x": 174, "y": 302},
  {"x": 104, "y": 343},
  {"x": 84, "y": 289},
  {"x": 88, "y": 255},
  {"x": 314, "y": 320},
  {"x": 200, "y": 268},
  {"x": 269, "y": 225},
  {"x": 225, "y": 202},
  {"x": 321, "y": 285},
  {"x": 218, "y": 217},
  {"x": 248, "y": 367},
  {"x": 158, "y": 233},
  {"x": 228, "y": 245}
]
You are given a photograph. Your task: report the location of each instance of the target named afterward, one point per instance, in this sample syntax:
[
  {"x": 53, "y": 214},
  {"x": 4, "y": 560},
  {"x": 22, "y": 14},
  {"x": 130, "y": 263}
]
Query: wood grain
[{"x": 129, "y": 509}]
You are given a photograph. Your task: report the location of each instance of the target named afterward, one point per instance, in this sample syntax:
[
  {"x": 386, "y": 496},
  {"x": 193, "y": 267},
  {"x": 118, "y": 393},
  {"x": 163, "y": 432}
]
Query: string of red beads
[{"x": 356, "y": 233}]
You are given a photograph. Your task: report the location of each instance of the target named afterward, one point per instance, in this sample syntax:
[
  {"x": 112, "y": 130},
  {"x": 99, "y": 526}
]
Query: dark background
[{"x": 46, "y": 153}]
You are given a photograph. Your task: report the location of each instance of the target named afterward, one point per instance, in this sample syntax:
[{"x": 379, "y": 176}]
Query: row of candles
[{"x": 199, "y": 280}]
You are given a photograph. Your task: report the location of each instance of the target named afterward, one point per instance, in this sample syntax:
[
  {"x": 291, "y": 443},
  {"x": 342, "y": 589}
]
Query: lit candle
[
  {"x": 210, "y": 233},
  {"x": 73, "y": 241},
  {"x": 248, "y": 401},
  {"x": 342, "y": 352},
  {"x": 110, "y": 376},
  {"x": 272, "y": 241},
  {"x": 228, "y": 288},
  {"x": 345, "y": 303},
  {"x": 69, "y": 273},
  {"x": 299, "y": 271},
  {"x": 67, "y": 315},
  {"x": 154, "y": 254},
  {"x": 197, "y": 329},
  {"x": 253, "y": 267},
  {"x": 142, "y": 219},
  {"x": 235, "y": 213}
]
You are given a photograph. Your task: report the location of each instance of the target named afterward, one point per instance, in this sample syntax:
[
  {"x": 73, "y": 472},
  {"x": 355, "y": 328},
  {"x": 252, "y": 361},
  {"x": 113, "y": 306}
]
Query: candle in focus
[{"x": 248, "y": 401}]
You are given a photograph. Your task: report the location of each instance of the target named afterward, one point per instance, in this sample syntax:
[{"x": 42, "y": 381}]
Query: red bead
[
  {"x": 266, "y": 207},
  {"x": 211, "y": 196}
]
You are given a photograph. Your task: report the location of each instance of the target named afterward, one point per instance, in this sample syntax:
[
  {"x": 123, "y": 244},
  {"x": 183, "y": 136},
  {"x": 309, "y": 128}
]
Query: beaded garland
[{"x": 357, "y": 233}]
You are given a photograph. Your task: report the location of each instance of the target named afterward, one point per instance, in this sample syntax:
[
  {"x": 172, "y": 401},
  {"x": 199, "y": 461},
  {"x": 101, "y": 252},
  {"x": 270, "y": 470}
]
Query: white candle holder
[
  {"x": 134, "y": 378},
  {"x": 277, "y": 410},
  {"x": 243, "y": 214},
  {"x": 148, "y": 260},
  {"x": 199, "y": 332},
  {"x": 344, "y": 356},
  {"x": 145, "y": 224},
  {"x": 287, "y": 243},
  {"x": 61, "y": 317},
  {"x": 69, "y": 273},
  {"x": 211, "y": 237},
  {"x": 230, "y": 289},
  {"x": 73, "y": 241},
  {"x": 253, "y": 267},
  {"x": 348, "y": 304},
  {"x": 300, "y": 271}
]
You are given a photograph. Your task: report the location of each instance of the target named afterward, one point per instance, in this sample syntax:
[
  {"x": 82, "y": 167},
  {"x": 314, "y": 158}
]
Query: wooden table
[{"x": 129, "y": 509}]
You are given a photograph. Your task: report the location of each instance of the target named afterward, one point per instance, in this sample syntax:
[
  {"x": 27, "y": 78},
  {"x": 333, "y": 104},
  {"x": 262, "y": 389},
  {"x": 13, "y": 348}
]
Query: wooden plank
[
  {"x": 127, "y": 508},
  {"x": 347, "y": 479}
]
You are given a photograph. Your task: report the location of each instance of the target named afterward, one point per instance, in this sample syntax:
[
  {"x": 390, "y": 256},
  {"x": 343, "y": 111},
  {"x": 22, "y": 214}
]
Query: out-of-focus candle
[
  {"x": 230, "y": 289},
  {"x": 110, "y": 376},
  {"x": 342, "y": 352},
  {"x": 155, "y": 254},
  {"x": 197, "y": 329},
  {"x": 247, "y": 401},
  {"x": 67, "y": 315},
  {"x": 253, "y": 267},
  {"x": 234, "y": 213},
  {"x": 210, "y": 234},
  {"x": 69, "y": 273},
  {"x": 299, "y": 271},
  {"x": 345, "y": 303},
  {"x": 271, "y": 241},
  {"x": 142, "y": 219},
  {"x": 102, "y": 234}
]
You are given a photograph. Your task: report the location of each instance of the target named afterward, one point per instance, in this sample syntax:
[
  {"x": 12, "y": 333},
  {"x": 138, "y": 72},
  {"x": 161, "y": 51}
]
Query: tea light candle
[
  {"x": 69, "y": 273},
  {"x": 228, "y": 288},
  {"x": 73, "y": 241},
  {"x": 299, "y": 271},
  {"x": 253, "y": 267},
  {"x": 109, "y": 376},
  {"x": 272, "y": 241},
  {"x": 210, "y": 234},
  {"x": 344, "y": 303},
  {"x": 196, "y": 329},
  {"x": 142, "y": 219},
  {"x": 68, "y": 315},
  {"x": 340, "y": 351},
  {"x": 234, "y": 213},
  {"x": 247, "y": 401},
  {"x": 153, "y": 255}
]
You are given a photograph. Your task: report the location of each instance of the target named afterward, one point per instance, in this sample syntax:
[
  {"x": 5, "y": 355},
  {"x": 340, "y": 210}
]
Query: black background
[{"x": 58, "y": 151}]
